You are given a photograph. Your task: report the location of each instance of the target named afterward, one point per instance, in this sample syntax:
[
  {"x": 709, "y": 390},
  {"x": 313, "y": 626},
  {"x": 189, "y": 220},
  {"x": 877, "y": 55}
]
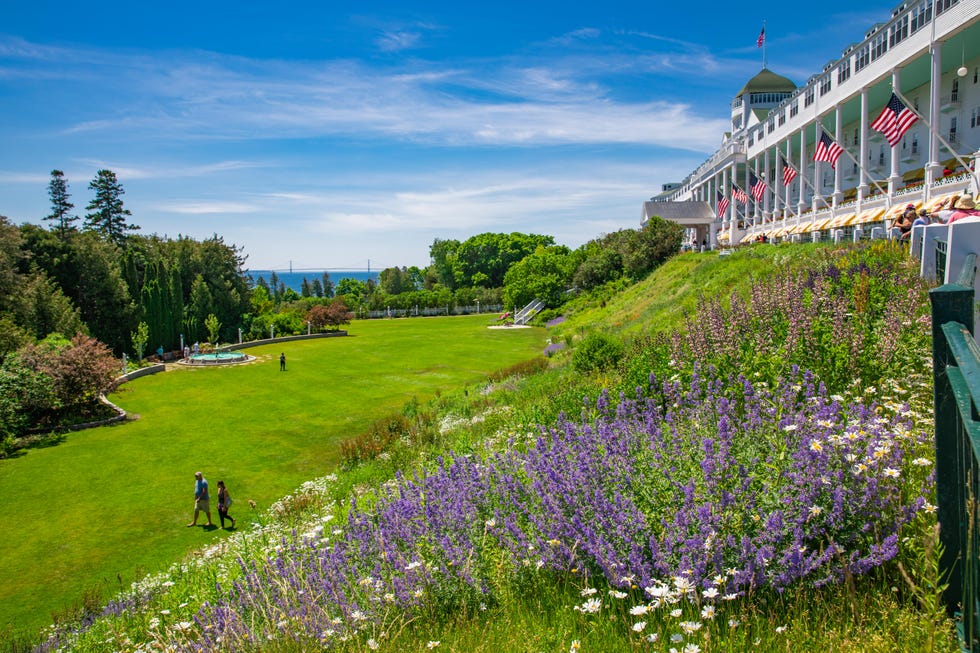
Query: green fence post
[{"x": 950, "y": 303}]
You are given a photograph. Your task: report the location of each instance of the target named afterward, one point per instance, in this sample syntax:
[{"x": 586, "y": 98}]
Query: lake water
[{"x": 294, "y": 279}]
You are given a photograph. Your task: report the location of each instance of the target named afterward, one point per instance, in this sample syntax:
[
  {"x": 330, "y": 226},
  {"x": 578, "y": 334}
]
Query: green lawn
[{"x": 110, "y": 503}]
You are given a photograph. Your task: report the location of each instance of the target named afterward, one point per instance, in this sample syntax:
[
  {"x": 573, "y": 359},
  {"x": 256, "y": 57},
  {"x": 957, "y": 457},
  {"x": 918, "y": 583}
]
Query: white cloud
[
  {"x": 205, "y": 208},
  {"x": 23, "y": 178},
  {"x": 195, "y": 96}
]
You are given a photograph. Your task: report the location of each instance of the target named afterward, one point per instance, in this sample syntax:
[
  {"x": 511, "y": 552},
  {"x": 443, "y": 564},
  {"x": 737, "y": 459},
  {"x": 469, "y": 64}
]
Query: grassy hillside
[
  {"x": 659, "y": 302},
  {"x": 504, "y": 529},
  {"x": 109, "y": 504}
]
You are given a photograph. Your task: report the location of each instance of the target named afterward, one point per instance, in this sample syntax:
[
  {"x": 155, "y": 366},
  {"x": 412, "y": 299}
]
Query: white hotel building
[{"x": 928, "y": 50}]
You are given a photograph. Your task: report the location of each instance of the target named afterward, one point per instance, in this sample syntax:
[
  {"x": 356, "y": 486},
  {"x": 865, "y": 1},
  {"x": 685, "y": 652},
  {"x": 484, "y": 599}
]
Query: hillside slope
[{"x": 660, "y": 301}]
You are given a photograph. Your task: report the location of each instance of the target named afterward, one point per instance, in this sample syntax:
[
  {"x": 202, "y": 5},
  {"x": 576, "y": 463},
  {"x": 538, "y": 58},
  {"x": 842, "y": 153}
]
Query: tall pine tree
[
  {"x": 60, "y": 206},
  {"x": 108, "y": 217}
]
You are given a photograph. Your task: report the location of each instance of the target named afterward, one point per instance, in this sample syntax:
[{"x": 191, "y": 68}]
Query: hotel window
[
  {"x": 974, "y": 117},
  {"x": 881, "y": 156},
  {"x": 862, "y": 58},
  {"x": 808, "y": 97},
  {"x": 943, "y": 5},
  {"x": 782, "y": 117},
  {"x": 824, "y": 85},
  {"x": 879, "y": 46},
  {"x": 952, "y": 129},
  {"x": 976, "y": 71},
  {"x": 843, "y": 72},
  {"x": 857, "y": 135},
  {"x": 771, "y": 125},
  {"x": 794, "y": 108},
  {"x": 921, "y": 15},
  {"x": 899, "y": 31},
  {"x": 737, "y": 122},
  {"x": 954, "y": 94},
  {"x": 915, "y": 143},
  {"x": 751, "y": 139}
]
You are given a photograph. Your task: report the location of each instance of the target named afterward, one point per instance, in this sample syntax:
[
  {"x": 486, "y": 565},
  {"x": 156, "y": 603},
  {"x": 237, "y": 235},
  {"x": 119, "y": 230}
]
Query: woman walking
[{"x": 224, "y": 502}]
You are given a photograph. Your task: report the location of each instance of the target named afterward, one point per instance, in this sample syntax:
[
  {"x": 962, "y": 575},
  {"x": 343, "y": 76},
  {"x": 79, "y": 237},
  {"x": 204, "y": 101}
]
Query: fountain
[{"x": 216, "y": 358}]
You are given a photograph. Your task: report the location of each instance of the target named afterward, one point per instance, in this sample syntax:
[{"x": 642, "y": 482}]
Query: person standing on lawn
[
  {"x": 224, "y": 502},
  {"x": 202, "y": 500}
]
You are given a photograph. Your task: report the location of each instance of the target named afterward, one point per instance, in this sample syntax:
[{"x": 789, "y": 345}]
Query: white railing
[{"x": 529, "y": 311}]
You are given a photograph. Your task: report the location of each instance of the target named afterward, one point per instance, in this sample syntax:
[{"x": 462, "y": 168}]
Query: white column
[
  {"x": 725, "y": 187},
  {"x": 777, "y": 184},
  {"x": 894, "y": 179},
  {"x": 838, "y": 134},
  {"x": 933, "y": 168},
  {"x": 757, "y": 213},
  {"x": 863, "y": 156},
  {"x": 745, "y": 186},
  {"x": 801, "y": 204},
  {"x": 788, "y": 189},
  {"x": 766, "y": 206},
  {"x": 817, "y": 168}
]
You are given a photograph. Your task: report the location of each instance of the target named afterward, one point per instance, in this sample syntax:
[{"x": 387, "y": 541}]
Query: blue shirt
[{"x": 201, "y": 489}]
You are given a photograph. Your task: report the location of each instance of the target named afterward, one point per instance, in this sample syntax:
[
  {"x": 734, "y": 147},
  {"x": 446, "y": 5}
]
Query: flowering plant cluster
[
  {"x": 718, "y": 479},
  {"x": 858, "y": 316}
]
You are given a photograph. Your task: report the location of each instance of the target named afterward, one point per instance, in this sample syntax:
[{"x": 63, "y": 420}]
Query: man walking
[
  {"x": 282, "y": 362},
  {"x": 202, "y": 500}
]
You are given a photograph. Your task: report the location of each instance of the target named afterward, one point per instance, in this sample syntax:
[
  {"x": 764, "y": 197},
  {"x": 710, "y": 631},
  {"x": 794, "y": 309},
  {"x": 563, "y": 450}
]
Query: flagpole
[
  {"x": 764, "y": 42},
  {"x": 864, "y": 172},
  {"x": 939, "y": 137}
]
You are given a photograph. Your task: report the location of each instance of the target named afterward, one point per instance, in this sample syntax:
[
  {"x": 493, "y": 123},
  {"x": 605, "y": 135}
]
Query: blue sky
[{"x": 348, "y": 134}]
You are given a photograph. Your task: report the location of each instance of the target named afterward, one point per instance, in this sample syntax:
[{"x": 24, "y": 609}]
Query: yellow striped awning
[
  {"x": 897, "y": 209},
  {"x": 841, "y": 220},
  {"x": 870, "y": 215},
  {"x": 933, "y": 205}
]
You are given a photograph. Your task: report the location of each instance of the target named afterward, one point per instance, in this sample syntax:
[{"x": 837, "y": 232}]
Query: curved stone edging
[
  {"x": 143, "y": 371},
  {"x": 120, "y": 413},
  {"x": 270, "y": 341},
  {"x": 120, "y": 416}
]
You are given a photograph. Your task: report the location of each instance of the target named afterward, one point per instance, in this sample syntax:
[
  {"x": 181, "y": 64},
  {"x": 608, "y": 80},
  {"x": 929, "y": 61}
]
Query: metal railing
[
  {"x": 941, "y": 249},
  {"x": 956, "y": 378},
  {"x": 529, "y": 311}
]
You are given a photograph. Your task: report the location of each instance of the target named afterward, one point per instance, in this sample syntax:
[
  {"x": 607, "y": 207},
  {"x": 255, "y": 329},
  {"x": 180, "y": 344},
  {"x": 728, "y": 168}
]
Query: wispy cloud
[
  {"x": 194, "y": 96},
  {"x": 22, "y": 178},
  {"x": 206, "y": 208}
]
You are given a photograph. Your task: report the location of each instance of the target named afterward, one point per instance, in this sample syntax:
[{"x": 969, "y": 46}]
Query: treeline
[
  {"x": 77, "y": 295},
  {"x": 486, "y": 269},
  {"x": 104, "y": 279},
  {"x": 513, "y": 269}
]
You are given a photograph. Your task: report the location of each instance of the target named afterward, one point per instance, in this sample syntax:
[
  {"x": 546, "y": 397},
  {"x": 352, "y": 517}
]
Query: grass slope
[
  {"x": 660, "y": 301},
  {"x": 109, "y": 503}
]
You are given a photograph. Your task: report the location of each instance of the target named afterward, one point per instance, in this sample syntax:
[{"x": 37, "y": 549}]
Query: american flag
[
  {"x": 738, "y": 194},
  {"x": 762, "y": 38},
  {"x": 722, "y": 204},
  {"x": 789, "y": 172},
  {"x": 894, "y": 121},
  {"x": 827, "y": 150},
  {"x": 757, "y": 187}
]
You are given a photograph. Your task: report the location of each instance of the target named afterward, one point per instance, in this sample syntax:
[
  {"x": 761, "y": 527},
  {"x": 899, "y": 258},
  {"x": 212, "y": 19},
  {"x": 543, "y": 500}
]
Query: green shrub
[
  {"x": 598, "y": 351},
  {"x": 377, "y": 439}
]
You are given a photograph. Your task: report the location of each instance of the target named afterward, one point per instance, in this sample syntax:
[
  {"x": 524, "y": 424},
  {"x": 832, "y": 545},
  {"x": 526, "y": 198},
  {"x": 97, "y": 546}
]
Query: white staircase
[{"x": 525, "y": 314}]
